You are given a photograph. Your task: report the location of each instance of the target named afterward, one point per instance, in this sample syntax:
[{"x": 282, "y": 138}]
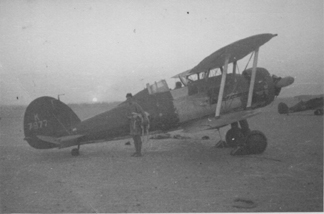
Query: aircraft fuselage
[{"x": 171, "y": 108}]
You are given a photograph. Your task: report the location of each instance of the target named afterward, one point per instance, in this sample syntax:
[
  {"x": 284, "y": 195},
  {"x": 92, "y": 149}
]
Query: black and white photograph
[{"x": 161, "y": 106}]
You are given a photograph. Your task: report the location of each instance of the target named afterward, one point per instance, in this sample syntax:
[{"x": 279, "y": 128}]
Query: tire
[
  {"x": 75, "y": 152},
  {"x": 283, "y": 108},
  {"x": 256, "y": 142},
  {"x": 318, "y": 112},
  {"x": 234, "y": 137}
]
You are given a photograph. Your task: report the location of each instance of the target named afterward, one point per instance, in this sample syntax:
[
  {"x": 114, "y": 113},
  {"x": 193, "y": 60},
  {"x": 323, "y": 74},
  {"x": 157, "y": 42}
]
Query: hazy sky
[{"x": 89, "y": 49}]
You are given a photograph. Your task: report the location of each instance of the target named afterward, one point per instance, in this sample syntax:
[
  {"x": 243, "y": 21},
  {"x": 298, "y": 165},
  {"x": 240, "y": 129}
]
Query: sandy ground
[{"x": 173, "y": 176}]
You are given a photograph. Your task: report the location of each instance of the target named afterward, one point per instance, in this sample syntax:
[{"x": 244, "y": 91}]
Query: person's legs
[
  {"x": 135, "y": 144},
  {"x": 138, "y": 145}
]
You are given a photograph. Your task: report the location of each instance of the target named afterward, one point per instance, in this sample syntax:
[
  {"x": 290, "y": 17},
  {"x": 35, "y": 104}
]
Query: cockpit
[
  {"x": 157, "y": 87},
  {"x": 187, "y": 84}
]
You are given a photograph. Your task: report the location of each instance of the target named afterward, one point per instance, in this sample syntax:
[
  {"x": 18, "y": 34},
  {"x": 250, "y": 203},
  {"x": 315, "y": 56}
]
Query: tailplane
[{"x": 47, "y": 116}]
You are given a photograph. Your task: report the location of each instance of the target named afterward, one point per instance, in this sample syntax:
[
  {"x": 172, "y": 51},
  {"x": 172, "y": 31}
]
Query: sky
[{"x": 97, "y": 51}]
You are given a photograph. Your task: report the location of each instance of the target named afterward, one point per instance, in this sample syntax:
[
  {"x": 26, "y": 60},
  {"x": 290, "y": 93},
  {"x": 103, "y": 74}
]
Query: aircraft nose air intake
[{"x": 285, "y": 81}]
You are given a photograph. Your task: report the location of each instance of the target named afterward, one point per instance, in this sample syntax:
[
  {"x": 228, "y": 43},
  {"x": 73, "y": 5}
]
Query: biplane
[
  {"x": 211, "y": 95},
  {"x": 306, "y": 102}
]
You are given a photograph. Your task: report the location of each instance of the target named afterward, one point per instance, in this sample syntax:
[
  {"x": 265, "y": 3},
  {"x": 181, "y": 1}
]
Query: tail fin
[
  {"x": 48, "y": 116},
  {"x": 283, "y": 108}
]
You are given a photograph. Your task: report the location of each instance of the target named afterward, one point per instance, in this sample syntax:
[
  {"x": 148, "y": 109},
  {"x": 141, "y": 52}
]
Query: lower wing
[{"x": 212, "y": 122}]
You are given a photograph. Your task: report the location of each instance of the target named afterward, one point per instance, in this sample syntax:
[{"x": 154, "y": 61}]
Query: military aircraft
[
  {"x": 305, "y": 103},
  {"x": 209, "y": 97}
]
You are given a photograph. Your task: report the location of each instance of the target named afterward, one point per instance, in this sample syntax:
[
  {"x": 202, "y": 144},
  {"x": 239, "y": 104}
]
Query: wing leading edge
[{"x": 234, "y": 51}]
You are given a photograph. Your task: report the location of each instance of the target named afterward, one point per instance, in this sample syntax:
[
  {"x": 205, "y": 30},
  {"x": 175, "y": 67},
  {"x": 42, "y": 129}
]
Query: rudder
[{"x": 48, "y": 116}]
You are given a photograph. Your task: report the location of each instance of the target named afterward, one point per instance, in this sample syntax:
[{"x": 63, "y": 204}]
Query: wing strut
[
  {"x": 222, "y": 86},
  {"x": 255, "y": 63}
]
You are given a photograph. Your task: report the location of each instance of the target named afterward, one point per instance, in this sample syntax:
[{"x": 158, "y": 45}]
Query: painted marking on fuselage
[{"x": 37, "y": 124}]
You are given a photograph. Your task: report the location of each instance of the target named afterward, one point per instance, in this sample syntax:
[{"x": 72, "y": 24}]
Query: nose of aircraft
[{"x": 285, "y": 81}]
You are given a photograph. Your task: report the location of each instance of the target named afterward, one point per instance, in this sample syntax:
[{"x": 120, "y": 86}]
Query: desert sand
[{"x": 174, "y": 175}]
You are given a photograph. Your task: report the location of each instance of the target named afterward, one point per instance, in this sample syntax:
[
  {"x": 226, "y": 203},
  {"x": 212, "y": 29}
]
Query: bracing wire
[{"x": 249, "y": 61}]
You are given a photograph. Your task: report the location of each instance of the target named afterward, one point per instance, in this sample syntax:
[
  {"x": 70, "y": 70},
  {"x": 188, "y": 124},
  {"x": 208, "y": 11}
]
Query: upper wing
[
  {"x": 213, "y": 122},
  {"x": 235, "y": 51}
]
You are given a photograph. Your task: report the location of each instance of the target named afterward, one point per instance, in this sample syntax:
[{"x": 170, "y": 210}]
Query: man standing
[{"x": 137, "y": 117}]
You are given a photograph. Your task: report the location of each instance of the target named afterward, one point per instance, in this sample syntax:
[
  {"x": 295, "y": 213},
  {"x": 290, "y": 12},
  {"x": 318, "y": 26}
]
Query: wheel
[
  {"x": 283, "y": 108},
  {"x": 256, "y": 142},
  {"x": 234, "y": 137},
  {"x": 318, "y": 112},
  {"x": 75, "y": 152}
]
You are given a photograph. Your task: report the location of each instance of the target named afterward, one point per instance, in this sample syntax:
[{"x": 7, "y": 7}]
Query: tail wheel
[
  {"x": 75, "y": 152},
  {"x": 234, "y": 137},
  {"x": 283, "y": 108},
  {"x": 318, "y": 112},
  {"x": 256, "y": 142}
]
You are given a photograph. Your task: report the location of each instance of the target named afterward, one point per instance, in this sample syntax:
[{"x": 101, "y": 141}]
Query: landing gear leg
[
  {"x": 221, "y": 143},
  {"x": 76, "y": 151},
  {"x": 234, "y": 136},
  {"x": 238, "y": 139},
  {"x": 245, "y": 127}
]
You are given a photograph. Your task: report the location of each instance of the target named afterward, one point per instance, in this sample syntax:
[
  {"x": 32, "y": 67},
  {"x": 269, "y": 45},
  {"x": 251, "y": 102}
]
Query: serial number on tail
[{"x": 37, "y": 124}]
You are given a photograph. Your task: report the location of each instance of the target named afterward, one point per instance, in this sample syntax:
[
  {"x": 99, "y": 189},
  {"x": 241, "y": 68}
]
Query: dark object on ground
[
  {"x": 244, "y": 203},
  {"x": 180, "y": 137},
  {"x": 161, "y": 136}
]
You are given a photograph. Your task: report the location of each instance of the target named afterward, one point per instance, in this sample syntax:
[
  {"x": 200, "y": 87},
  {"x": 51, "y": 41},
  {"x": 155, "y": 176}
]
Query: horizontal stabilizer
[
  {"x": 61, "y": 142},
  {"x": 223, "y": 120}
]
